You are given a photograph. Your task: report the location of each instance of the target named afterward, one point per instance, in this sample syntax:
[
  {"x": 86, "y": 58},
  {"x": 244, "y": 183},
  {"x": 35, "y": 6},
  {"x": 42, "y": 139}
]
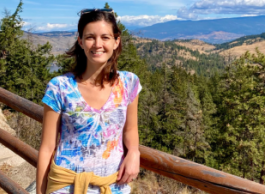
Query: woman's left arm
[{"x": 130, "y": 166}]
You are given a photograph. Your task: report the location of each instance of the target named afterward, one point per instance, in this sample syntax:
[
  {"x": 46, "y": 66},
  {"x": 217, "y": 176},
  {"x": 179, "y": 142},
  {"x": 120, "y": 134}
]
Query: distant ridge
[
  {"x": 56, "y": 33},
  {"x": 212, "y": 31},
  {"x": 240, "y": 41}
]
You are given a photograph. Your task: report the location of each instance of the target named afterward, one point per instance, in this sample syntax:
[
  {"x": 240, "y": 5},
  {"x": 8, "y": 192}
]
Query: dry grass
[
  {"x": 150, "y": 182},
  {"x": 141, "y": 40},
  {"x": 26, "y": 129},
  {"x": 3, "y": 122},
  {"x": 186, "y": 55},
  {"x": 240, "y": 50},
  {"x": 59, "y": 43},
  {"x": 199, "y": 45}
]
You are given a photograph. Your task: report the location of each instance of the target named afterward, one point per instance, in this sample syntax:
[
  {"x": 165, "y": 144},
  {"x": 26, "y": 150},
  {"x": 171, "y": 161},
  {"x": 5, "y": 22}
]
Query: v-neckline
[{"x": 87, "y": 104}]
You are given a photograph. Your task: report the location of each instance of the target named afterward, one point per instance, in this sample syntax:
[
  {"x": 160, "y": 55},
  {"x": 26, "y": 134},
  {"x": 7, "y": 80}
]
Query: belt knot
[{"x": 82, "y": 181}]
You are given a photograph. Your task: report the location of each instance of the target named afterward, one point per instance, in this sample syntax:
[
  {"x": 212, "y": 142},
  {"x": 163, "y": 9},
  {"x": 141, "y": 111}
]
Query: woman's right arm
[{"x": 51, "y": 122}]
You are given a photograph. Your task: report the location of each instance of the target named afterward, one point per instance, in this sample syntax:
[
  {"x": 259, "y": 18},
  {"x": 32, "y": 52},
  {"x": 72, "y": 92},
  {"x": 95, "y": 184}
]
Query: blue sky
[{"x": 51, "y": 15}]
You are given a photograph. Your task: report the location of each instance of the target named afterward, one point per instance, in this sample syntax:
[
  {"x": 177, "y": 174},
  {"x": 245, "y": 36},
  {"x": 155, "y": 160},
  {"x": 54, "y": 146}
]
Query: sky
[{"x": 60, "y": 15}]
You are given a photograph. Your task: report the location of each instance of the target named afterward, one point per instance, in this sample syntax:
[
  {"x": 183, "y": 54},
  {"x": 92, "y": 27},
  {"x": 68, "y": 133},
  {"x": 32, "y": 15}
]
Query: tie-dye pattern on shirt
[{"x": 91, "y": 139}]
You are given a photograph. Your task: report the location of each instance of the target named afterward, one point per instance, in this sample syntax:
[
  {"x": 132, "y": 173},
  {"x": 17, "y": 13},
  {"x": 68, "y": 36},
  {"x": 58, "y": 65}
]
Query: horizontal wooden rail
[
  {"x": 23, "y": 150},
  {"x": 21, "y": 105},
  {"x": 196, "y": 175},
  {"x": 10, "y": 186},
  {"x": 19, "y": 147},
  {"x": 185, "y": 171}
]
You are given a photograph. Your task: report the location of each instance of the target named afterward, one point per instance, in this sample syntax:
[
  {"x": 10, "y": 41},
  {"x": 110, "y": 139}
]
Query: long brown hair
[{"x": 109, "y": 73}]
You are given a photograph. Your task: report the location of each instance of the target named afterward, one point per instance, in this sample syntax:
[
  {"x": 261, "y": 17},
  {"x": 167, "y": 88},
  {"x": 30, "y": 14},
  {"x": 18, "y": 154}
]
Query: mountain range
[
  {"x": 215, "y": 31},
  {"x": 236, "y": 35},
  {"x": 212, "y": 31}
]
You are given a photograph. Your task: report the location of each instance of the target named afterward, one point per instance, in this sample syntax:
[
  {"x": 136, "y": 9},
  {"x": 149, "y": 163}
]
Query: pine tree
[
  {"x": 24, "y": 70},
  {"x": 107, "y": 6},
  {"x": 241, "y": 140}
]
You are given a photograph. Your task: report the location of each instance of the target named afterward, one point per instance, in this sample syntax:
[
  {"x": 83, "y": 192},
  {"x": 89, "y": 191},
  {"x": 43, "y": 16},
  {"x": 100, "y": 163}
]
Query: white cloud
[
  {"x": 187, "y": 13},
  {"x": 49, "y": 27},
  {"x": 146, "y": 20},
  {"x": 248, "y": 15},
  {"x": 56, "y": 25},
  {"x": 25, "y": 23},
  {"x": 241, "y": 7}
]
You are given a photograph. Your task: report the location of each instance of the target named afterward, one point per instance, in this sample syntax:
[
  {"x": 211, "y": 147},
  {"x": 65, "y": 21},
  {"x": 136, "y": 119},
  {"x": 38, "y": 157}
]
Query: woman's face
[{"x": 98, "y": 42}]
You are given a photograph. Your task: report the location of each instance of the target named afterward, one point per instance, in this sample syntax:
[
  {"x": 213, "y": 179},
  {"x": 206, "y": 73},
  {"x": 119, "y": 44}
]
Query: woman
[{"x": 94, "y": 109}]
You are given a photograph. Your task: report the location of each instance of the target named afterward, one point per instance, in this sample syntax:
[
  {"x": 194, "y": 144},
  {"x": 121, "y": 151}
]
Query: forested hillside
[
  {"x": 194, "y": 105},
  {"x": 239, "y": 46},
  {"x": 155, "y": 53},
  {"x": 240, "y": 41}
]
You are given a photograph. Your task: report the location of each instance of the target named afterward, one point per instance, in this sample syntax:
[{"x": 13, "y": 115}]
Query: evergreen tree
[
  {"x": 107, "y": 6},
  {"x": 165, "y": 123},
  {"x": 24, "y": 70},
  {"x": 241, "y": 141}
]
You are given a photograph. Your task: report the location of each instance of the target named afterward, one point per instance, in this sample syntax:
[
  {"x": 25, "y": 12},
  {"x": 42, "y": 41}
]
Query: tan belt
[{"x": 60, "y": 177}]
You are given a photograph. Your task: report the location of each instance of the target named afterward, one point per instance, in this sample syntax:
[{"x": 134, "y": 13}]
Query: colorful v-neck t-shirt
[{"x": 91, "y": 139}]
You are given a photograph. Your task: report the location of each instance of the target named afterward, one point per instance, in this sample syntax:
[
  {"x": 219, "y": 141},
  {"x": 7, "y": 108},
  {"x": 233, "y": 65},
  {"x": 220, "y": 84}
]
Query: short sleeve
[
  {"x": 52, "y": 96},
  {"x": 135, "y": 87}
]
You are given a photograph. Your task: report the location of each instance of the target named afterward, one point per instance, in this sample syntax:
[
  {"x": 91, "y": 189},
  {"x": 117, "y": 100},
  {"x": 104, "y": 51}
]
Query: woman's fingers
[
  {"x": 129, "y": 169},
  {"x": 127, "y": 178},
  {"x": 124, "y": 179},
  {"x": 120, "y": 172}
]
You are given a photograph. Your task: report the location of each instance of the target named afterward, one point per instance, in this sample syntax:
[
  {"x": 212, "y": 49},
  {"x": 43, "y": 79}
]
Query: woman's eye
[
  {"x": 105, "y": 38},
  {"x": 89, "y": 37}
]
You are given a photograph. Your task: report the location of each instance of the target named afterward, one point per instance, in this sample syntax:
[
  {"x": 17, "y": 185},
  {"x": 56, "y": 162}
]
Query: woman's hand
[{"x": 130, "y": 167}]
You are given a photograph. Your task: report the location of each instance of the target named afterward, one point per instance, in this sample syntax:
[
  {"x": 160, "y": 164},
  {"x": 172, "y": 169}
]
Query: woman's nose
[{"x": 98, "y": 42}]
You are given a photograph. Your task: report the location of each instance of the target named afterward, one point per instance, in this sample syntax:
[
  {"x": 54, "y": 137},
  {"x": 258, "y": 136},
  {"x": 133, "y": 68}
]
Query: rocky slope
[{"x": 13, "y": 165}]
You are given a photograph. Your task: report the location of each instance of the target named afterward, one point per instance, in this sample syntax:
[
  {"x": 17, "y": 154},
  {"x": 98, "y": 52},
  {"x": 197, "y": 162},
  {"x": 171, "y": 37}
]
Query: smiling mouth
[{"x": 97, "y": 52}]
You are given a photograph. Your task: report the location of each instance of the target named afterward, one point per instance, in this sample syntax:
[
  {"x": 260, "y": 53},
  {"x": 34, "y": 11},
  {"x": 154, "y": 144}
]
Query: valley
[
  {"x": 193, "y": 55},
  {"x": 61, "y": 41}
]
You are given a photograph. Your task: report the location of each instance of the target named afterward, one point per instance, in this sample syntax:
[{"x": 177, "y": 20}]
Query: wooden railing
[{"x": 185, "y": 171}]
